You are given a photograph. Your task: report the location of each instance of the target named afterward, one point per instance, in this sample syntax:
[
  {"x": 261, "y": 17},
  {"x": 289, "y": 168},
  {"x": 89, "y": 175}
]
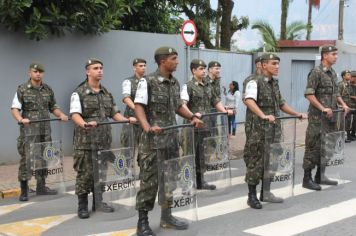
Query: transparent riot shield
[
  {"x": 332, "y": 147},
  {"x": 212, "y": 153},
  {"x": 176, "y": 171},
  {"x": 279, "y": 158},
  {"x": 44, "y": 157},
  {"x": 113, "y": 168}
]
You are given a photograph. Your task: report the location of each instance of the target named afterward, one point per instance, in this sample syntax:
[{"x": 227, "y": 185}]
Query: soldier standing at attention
[
  {"x": 129, "y": 87},
  {"x": 263, "y": 98},
  {"x": 90, "y": 103},
  {"x": 33, "y": 100},
  {"x": 322, "y": 93},
  {"x": 345, "y": 92},
  {"x": 353, "y": 104},
  {"x": 199, "y": 96},
  {"x": 214, "y": 77},
  {"x": 156, "y": 103}
]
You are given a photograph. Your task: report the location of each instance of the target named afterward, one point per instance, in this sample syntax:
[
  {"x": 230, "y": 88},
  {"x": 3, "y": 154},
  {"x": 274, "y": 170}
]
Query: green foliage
[
  {"x": 294, "y": 31},
  {"x": 38, "y": 18},
  {"x": 153, "y": 16}
]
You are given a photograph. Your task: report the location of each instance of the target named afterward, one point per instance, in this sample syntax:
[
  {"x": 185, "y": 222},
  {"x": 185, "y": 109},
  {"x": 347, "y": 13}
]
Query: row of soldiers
[{"x": 154, "y": 100}]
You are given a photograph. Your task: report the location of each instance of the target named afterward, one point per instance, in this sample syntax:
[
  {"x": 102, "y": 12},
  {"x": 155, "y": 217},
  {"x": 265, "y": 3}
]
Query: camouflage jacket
[
  {"x": 215, "y": 84},
  {"x": 345, "y": 91},
  {"x": 353, "y": 93},
  {"x": 162, "y": 103},
  {"x": 202, "y": 96},
  {"x": 269, "y": 100},
  {"x": 248, "y": 116},
  {"x": 134, "y": 82},
  {"x": 95, "y": 107},
  {"x": 37, "y": 103},
  {"x": 322, "y": 83}
]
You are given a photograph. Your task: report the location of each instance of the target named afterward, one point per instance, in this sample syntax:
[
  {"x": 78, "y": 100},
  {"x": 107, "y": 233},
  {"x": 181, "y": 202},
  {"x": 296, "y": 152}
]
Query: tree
[
  {"x": 229, "y": 25},
  {"x": 294, "y": 31},
  {"x": 311, "y": 4},
  {"x": 284, "y": 16},
  {"x": 153, "y": 16},
  {"x": 38, "y": 19}
]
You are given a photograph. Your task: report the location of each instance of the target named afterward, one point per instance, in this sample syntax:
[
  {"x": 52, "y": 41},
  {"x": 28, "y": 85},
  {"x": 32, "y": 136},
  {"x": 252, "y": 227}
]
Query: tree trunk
[
  {"x": 309, "y": 24},
  {"x": 217, "y": 32},
  {"x": 226, "y": 24},
  {"x": 284, "y": 15}
]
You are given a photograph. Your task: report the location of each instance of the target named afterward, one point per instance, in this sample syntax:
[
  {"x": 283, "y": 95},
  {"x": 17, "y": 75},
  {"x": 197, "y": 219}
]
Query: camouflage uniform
[
  {"x": 37, "y": 103},
  {"x": 131, "y": 113},
  {"x": 345, "y": 90},
  {"x": 201, "y": 98},
  {"x": 353, "y": 106},
  {"x": 95, "y": 107},
  {"x": 163, "y": 101},
  {"x": 322, "y": 83},
  {"x": 215, "y": 85},
  {"x": 269, "y": 100}
]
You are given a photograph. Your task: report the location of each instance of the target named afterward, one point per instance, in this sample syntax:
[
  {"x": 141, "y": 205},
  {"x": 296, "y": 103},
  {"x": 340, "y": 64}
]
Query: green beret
[
  {"x": 344, "y": 72},
  {"x": 92, "y": 61},
  {"x": 258, "y": 59},
  {"x": 37, "y": 66},
  {"x": 195, "y": 63},
  {"x": 269, "y": 56},
  {"x": 353, "y": 73},
  {"x": 165, "y": 51},
  {"x": 328, "y": 48},
  {"x": 138, "y": 60},
  {"x": 214, "y": 64}
]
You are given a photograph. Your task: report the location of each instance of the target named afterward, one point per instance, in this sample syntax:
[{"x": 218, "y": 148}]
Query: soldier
[
  {"x": 353, "y": 103},
  {"x": 263, "y": 98},
  {"x": 129, "y": 87},
  {"x": 33, "y": 100},
  {"x": 90, "y": 103},
  {"x": 199, "y": 96},
  {"x": 214, "y": 77},
  {"x": 344, "y": 87},
  {"x": 156, "y": 103},
  {"x": 321, "y": 92}
]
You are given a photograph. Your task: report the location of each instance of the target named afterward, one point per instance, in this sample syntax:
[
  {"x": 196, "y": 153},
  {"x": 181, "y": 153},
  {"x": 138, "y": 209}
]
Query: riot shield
[
  {"x": 279, "y": 158},
  {"x": 332, "y": 147},
  {"x": 44, "y": 157},
  {"x": 113, "y": 168},
  {"x": 176, "y": 171},
  {"x": 212, "y": 153}
]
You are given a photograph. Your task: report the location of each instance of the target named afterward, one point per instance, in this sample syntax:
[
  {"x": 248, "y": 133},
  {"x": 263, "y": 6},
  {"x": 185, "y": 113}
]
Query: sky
[{"x": 325, "y": 19}]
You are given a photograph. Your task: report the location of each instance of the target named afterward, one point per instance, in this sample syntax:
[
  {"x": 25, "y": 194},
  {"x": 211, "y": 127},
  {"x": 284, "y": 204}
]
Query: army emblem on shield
[
  {"x": 221, "y": 149},
  {"x": 286, "y": 159},
  {"x": 339, "y": 147},
  {"x": 50, "y": 153},
  {"x": 186, "y": 176},
  {"x": 120, "y": 165}
]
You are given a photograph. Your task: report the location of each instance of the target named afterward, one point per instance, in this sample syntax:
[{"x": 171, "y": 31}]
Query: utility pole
[{"x": 341, "y": 19}]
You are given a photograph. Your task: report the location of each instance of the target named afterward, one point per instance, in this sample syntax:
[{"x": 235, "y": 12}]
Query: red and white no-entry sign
[{"x": 189, "y": 32}]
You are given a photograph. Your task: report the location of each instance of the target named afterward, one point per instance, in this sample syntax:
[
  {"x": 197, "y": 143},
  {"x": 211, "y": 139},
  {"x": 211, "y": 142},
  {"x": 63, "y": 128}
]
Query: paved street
[{"x": 329, "y": 212}]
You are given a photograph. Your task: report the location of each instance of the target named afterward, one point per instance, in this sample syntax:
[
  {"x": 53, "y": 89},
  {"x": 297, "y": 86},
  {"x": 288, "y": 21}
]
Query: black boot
[
  {"x": 83, "y": 212},
  {"x": 308, "y": 181},
  {"x": 143, "y": 227},
  {"x": 201, "y": 184},
  {"x": 99, "y": 205},
  {"x": 320, "y": 177},
  {"x": 168, "y": 221},
  {"x": 24, "y": 191},
  {"x": 348, "y": 138},
  {"x": 41, "y": 188},
  {"x": 267, "y": 196},
  {"x": 252, "y": 200}
]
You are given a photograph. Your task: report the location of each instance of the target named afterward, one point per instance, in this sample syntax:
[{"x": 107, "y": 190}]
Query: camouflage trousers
[
  {"x": 152, "y": 179},
  {"x": 254, "y": 160},
  {"x": 353, "y": 123},
  {"x": 83, "y": 165},
  {"x": 348, "y": 119},
  {"x": 25, "y": 170},
  {"x": 312, "y": 152}
]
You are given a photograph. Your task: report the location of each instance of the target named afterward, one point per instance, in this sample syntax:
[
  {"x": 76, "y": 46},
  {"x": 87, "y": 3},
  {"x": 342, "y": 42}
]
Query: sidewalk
[{"x": 9, "y": 185}]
